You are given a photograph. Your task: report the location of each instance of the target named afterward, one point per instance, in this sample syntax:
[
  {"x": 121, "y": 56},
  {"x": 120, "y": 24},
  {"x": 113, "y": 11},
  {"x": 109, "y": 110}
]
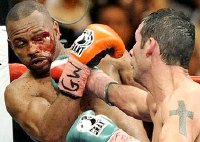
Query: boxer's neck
[{"x": 171, "y": 80}]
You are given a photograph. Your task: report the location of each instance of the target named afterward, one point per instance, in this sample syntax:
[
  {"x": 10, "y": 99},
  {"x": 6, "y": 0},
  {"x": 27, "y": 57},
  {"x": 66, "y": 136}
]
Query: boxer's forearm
[
  {"x": 59, "y": 118},
  {"x": 129, "y": 99}
]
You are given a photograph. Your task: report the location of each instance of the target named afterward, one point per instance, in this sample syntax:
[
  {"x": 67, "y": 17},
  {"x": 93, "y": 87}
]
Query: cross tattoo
[{"x": 183, "y": 114}]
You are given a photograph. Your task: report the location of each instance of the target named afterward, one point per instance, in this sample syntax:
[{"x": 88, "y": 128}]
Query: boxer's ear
[
  {"x": 9, "y": 43},
  {"x": 152, "y": 43},
  {"x": 56, "y": 29}
]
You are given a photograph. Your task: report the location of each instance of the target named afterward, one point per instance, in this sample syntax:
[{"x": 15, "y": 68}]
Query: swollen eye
[
  {"x": 43, "y": 37},
  {"x": 47, "y": 40},
  {"x": 46, "y": 37}
]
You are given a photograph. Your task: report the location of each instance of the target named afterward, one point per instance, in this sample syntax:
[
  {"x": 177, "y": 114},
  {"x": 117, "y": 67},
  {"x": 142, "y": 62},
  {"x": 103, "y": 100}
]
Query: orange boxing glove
[
  {"x": 88, "y": 49},
  {"x": 16, "y": 70},
  {"x": 95, "y": 42},
  {"x": 196, "y": 78}
]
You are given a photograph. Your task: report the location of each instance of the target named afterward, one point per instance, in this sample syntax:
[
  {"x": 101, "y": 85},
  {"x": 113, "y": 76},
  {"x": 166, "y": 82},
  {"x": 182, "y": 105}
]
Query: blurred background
[{"x": 123, "y": 16}]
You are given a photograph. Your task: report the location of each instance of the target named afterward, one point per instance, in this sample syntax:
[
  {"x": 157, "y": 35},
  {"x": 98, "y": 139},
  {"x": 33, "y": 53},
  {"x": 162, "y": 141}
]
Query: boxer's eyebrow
[
  {"x": 17, "y": 38},
  {"x": 38, "y": 30},
  {"x": 43, "y": 34}
]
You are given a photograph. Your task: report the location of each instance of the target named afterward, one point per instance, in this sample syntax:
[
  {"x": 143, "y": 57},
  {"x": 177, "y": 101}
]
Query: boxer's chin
[
  {"x": 40, "y": 66},
  {"x": 41, "y": 72}
]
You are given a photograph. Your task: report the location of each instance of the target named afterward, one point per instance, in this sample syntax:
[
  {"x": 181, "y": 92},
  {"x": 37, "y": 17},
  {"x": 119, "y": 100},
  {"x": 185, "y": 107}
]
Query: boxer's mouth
[{"x": 38, "y": 62}]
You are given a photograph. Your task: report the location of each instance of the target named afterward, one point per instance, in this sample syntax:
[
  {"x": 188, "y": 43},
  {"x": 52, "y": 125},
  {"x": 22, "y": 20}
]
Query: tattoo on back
[{"x": 183, "y": 114}]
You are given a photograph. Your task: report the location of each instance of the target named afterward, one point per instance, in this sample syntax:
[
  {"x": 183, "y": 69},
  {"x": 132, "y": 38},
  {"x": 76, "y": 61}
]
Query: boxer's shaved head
[{"x": 24, "y": 9}]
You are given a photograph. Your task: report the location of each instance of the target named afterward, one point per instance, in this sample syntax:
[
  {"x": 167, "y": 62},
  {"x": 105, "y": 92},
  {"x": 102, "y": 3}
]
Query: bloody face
[
  {"x": 43, "y": 43},
  {"x": 33, "y": 41}
]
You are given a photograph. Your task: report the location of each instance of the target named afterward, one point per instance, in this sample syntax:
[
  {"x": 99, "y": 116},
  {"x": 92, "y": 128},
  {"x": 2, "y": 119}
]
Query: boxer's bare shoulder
[
  {"x": 27, "y": 99},
  {"x": 27, "y": 84},
  {"x": 178, "y": 111}
]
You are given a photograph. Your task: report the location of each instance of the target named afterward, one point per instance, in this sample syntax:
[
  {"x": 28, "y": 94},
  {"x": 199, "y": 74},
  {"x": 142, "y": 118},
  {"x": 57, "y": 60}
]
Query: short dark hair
[
  {"x": 24, "y": 9},
  {"x": 174, "y": 33}
]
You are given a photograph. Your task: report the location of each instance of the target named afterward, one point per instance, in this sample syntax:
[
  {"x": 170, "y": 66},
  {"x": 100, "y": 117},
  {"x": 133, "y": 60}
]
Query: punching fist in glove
[
  {"x": 95, "y": 42},
  {"x": 89, "y": 48},
  {"x": 96, "y": 128},
  {"x": 69, "y": 76}
]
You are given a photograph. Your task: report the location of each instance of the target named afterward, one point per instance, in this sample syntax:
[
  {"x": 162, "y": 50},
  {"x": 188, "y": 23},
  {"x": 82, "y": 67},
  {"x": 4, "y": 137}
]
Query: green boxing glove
[{"x": 96, "y": 128}]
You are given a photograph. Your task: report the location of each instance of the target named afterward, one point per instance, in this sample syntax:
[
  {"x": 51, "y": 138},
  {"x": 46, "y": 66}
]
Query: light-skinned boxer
[{"x": 160, "y": 57}]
